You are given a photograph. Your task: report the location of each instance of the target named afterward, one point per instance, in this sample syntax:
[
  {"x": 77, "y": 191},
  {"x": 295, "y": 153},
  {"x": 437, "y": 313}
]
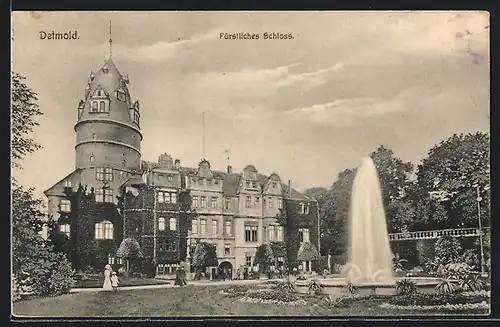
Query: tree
[
  {"x": 57, "y": 239},
  {"x": 34, "y": 262},
  {"x": 24, "y": 111},
  {"x": 204, "y": 256},
  {"x": 264, "y": 257},
  {"x": 448, "y": 250},
  {"x": 130, "y": 250},
  {"x": 451, "y": 173},
  {"x": 334, "y": 215},
  {"x": 394, "y": 176}
]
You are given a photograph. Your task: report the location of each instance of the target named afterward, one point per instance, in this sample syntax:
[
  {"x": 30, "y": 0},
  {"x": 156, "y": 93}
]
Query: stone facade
[{"x": 234, "y": 211}]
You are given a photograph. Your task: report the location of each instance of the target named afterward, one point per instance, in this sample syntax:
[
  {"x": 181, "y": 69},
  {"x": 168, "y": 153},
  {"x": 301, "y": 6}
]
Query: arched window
[
  {"x": 99, "y": 93},
  {"x": 104, "y": 230},
  {"x": 102, "y": 106},
  {"x": 94, "y": 106},
  {"x": 91, "y": 158}
]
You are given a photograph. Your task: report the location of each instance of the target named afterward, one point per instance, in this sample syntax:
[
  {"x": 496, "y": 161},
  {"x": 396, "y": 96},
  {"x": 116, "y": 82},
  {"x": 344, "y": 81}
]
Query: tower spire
[
  {"x": 203, "y": 132},
  {"x": 110, "y": 42}
]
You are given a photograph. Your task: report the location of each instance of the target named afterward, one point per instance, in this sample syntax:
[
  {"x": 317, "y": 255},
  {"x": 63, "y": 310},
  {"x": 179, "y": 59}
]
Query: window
[
  {"x": 65, "y": 228},
  {"x": 203, "y": 226},
  {"x": 192, "y": 248},
  {"x": 91, "y": 159},
  {"x": 250, "y": 233},
  {"x": 248, "y": 184},
  {"x": 227, "y": 249},
  {"x": 281, "y": 261},
  {"x": 227, "y": 203},
  {"x": 161, "y": 223},
  {"x": 274, "y": 184},
  {"x": 302, "y": 208},
  {"x": 104, "y": 174},
  {"x": 307, "y": 209},
  {"x": 280, "y": 203},
  {"x": 228, "y": 227},
  {"x": 195, "y": 201},
  {"x": 124, "y": 163},
  {"x": 248, "y": 201},
  {"x": 254, "y": 185},
  {"x": 257, "y": 201},
  {"x": 194, "y": 226},
  {"x": 103, "y": 195},
  {"x": 214, "y": 202},
  {"x": 67, "y": 183},
  {"x": 270, "y": 202},
  {"x": 99, "y": 93},
  {"x": 65, "y": 205},
  {"x": 271, "y": 230},
  {"x": 93, "y": 136},
  {"x": 170, "y": 178},
  {"x": 167, "y": 245},
  {"x": 304, "y": 235},
  {"x": 111, "y": 259},
  {"x": 102, "y": 106},
  {"x": 166, "y": 197},
  {"x": 214, "y": 227},
  {"x": 94, "y": 106},
  {"x": 248, "y": 260},
  {"x": 203, "y": 202},
  {"x": 173, "y": 224},
  {"x": 279, "y": 235},
  {"x": 104, "y": 230},
  {"x": 108, "y": 195}
]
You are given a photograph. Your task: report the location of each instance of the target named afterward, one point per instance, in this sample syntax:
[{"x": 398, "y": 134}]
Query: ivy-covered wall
[
  {"x": 85, "y": 213},
  {"x": 292, "y": 219}
]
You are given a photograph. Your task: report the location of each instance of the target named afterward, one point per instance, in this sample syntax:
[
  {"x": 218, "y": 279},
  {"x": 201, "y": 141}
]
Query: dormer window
[
  {"x": 81, "y": 106},
  {"x": 134, "y": 115},
  {"x": 94, "y": 107},
  {"x": 99, "y": 93}
]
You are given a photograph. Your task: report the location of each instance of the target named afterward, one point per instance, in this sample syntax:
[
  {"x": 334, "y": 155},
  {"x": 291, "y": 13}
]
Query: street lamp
[{"x": 479, "y": 199}]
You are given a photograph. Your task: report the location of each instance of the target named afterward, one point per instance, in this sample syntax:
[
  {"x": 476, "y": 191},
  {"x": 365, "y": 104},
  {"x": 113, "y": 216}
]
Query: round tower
[{"x": 108, "y": 127}]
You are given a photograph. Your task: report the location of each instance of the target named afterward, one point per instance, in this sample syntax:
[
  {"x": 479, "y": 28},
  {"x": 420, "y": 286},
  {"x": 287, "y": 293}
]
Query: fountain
[
  {"x": 370, "y": 256},
  {"x": 370, "y": 267}
]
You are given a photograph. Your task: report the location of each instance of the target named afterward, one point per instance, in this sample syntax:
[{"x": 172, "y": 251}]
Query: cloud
[
  {"x": 163, "y": 50},
  {"x": 354, "y": 111}
]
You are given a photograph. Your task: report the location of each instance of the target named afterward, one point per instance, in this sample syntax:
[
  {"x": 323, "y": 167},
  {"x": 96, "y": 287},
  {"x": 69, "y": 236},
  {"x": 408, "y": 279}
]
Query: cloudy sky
[{"x": 305, "y": 108}]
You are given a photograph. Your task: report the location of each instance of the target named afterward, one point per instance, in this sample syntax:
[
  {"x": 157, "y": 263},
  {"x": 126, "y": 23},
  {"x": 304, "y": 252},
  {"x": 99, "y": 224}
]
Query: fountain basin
[{"x": 335, "y": 286}]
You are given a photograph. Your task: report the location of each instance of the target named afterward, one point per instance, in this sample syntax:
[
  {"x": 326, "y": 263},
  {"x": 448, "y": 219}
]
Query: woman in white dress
[{"x": 107, "y": 278}]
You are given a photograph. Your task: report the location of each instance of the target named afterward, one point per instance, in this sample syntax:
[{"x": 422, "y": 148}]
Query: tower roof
[{"x": 111, "y": 81}]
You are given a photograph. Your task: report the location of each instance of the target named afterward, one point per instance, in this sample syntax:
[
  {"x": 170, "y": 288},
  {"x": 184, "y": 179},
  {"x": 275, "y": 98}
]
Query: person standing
[
  {"x": 178, "y": 278},
  {"x": 183, "y": 276},
  {"x": 114, "y": 281},
  {"x": 107, "y": 278}
]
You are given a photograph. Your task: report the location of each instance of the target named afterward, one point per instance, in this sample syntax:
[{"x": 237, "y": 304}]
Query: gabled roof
[{"x": 58, "y": 188}]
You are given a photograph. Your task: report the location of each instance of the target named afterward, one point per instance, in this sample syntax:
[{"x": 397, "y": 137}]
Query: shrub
[
  {"x": 471, "y": 283},
  {"x": 315, "y": 288},
  {"x": 51, "y": 275},
  {"x": 406, "y": 287},
  {"x": 446, "y": 286},
  {"x": 15, "y": 289},
  {"x": 350, "y": 289},
  {"x": 448, "y": 250},
  {"x": 254, "y": 275},
  {"x": 91, "y": 270}
]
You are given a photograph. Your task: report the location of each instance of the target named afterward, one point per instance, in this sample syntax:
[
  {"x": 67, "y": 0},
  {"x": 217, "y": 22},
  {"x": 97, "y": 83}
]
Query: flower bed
[
  {"x": 439, "y": 299},
  {"x": 277, "y": 302},
  {"x": 235, "y": 291},
  {"x": 455, "y": 307}
]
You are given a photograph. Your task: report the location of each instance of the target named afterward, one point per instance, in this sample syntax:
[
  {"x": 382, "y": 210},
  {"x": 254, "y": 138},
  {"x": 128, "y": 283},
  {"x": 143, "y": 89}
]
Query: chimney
[
  {"x": 229, "y": 169},
  {"x": 177, "y": 164},
  {"x": 289, "y": 188}
]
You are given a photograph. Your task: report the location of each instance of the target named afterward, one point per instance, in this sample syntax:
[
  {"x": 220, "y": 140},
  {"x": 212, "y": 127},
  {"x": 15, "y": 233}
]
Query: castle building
[{"x": 234, "y": 211}]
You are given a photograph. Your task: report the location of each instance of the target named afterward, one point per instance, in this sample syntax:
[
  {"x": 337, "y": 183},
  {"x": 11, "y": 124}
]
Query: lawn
[
  {"x": 186, "y": 301},
  {"x": 124, "y": 281}
]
